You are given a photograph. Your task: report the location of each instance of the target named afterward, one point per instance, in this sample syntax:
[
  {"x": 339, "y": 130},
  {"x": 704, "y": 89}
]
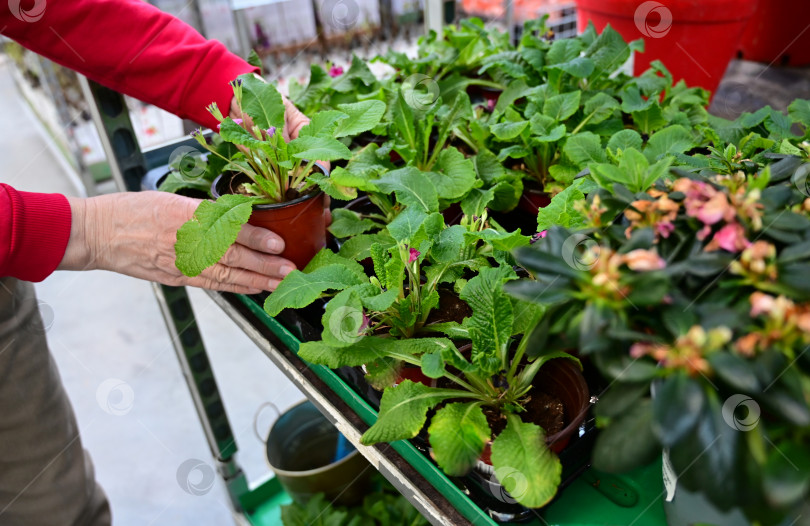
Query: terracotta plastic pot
[
  {"x": 778, "y": 33},
  {"x": 300, "y": 223},
  {"x": 534, "y": 198},
  {"x": 695, "y": 39}
]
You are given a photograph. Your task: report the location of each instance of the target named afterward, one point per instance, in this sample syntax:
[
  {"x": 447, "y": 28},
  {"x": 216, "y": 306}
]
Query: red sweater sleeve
[
  {"x": 34, "y": 231},
  {"x": 131, "y": 47}
]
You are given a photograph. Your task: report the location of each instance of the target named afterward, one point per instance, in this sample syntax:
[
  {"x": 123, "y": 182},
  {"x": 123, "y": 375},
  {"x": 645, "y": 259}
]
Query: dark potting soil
[
  {"x": 542, "y": 409},
  {"x": 451, "y": 308}
]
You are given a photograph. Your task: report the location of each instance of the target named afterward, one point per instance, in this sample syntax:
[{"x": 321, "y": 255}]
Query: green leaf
[
  {"x": 358, "y": 247},
  {"x": 669, "y": 141},
  {"x": 625, "y": 139},
  {"x": 298, "y": 290},
  {"x": 514, "y": 91},
  {"x": 405, "y": 226},
  {"x": 507, "y": 241},
  {"x": 323, "y": 124},
  {"x": 491, "y": 322},
  {"x": 584, "y": 148},
  {"x": 628, "y": 442},
  {"x": 326, "y": 257},
  {"x": 362, "y": 116},
  {"x": 676, "y": 406},
  {"x": 579, "y": 67},
  {"x": 262, "y": 102},
  {"x": 253, "y": 59},
  {"x": 433, "y": 365},
  {"x": 233, "y": 133},
  {"x": 458, "y": 433},
  {"x": 204, "y": 239},
  {"x": 561, "y": 210},
  {"x": 786, "y": 475},
  {"x": 650, "y": 119},
  {"x": 799, "y": 111},
  {"x": 403, "y": 121},
  {"x": 367, "y": 349},
  {"x": 381, "y": 301},
  {"x": 506, "y": 131},
  {"x": 318, "y": 149},
  {"x": 449, "y": 244},
  {"x": 609, "y": 51},
  {"x": 488, "y": 168},
  {"x": 343, "y": 318},
  {"x": 563, "y": 50},
  {"x": 544, "y": 129},
  {"x": 330, "y": 187},
  {"x": 600, "y": 107},
  {"x": 403, "y": 411},
  {"x": 347, "y": 223},
  {"x": 632, "y": 101},
  {"x": 456, "y": 175},
  {"x": 477, "y": 201},
  {"x": 357, "y": 76},
  {"x": 560, "y": 107},
  {"x": 525, "y": 467},
  {"x": 412, "y": 188}
]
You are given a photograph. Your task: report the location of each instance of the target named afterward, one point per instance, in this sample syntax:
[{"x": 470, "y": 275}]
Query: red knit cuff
[
  {"x": 39, "y": 235},
  {"x": 216, "y": 88}
]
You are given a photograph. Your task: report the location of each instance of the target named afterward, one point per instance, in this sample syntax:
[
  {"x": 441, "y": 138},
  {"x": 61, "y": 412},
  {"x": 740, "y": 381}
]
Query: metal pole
[{"x": 434, "y": 15}]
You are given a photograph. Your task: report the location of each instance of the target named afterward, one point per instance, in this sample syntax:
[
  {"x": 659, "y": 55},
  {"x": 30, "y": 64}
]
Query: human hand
[{"x": 134, "y": 234}]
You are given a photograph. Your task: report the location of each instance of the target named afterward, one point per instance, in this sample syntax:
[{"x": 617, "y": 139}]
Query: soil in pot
[{"x": 300, "y": 221}]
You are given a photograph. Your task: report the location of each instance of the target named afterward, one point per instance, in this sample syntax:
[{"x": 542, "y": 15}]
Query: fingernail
[
  {"x": 275, "y": 245},
  {"x": 286, "y": 269}
]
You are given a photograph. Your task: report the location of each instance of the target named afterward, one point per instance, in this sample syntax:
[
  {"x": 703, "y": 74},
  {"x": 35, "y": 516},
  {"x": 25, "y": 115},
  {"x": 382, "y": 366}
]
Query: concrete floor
[{"x": 120, "y": 370}]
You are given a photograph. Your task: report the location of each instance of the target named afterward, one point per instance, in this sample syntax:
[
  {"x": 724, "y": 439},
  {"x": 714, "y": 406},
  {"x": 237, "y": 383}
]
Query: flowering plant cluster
[{"x": 691, "y": 296}]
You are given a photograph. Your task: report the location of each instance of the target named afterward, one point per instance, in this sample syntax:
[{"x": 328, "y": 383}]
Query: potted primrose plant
[
  {"x": 267, "y": 181},
  {"x": 419, "y": 268},
  {"x": 690, "y": 294},
  {"x": 491, "y": 414}
]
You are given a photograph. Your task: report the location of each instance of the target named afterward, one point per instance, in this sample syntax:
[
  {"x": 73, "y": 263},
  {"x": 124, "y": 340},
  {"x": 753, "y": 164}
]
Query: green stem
[
  {"x": 486, "y": 83},
  {"x": 582, "y": 123}
]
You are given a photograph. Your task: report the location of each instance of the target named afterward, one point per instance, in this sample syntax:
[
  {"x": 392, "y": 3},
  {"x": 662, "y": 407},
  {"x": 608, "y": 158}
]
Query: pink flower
[
  {"x": 413, "y": 255},
  {"x": 238, "y": 121},
  {"x": 761, "y": 303},
  {"x": 491, "y": 105},
  {"x": 538, "y": 236},
  {"x": 270, "y": 131},
  {"x": 364, "y": 325},
  {"x": 714, "y": 209},
  {"x": 335, "y": 71},
  {"x": 730, "y": 238},
  {"x": 643, "y": 260}
]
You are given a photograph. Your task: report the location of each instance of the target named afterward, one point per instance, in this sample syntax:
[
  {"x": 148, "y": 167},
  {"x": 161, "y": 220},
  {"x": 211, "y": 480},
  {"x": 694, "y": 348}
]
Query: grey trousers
[{"x": 46, "y": 478}]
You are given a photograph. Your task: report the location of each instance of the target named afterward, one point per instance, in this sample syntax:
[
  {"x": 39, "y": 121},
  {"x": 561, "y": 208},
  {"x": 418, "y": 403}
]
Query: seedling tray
[{"x": 591, "y": 499}]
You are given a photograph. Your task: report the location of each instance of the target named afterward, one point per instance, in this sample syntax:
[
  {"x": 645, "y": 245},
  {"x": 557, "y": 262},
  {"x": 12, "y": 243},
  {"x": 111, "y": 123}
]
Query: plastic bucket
[
  {"x": 301, "y": 448},
  {"x": 695, "y": 39}
]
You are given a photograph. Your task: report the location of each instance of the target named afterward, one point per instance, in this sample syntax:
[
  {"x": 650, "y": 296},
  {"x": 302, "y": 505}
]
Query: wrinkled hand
[{"x": 134, "y": 234}]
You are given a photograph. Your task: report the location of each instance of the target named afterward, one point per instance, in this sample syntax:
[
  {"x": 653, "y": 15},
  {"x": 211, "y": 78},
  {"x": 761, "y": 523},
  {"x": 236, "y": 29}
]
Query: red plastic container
[
  {"x": 301, "y": 223},
  {"x": 778, "y": 33},
  {"x": 695, "y": 39}
]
